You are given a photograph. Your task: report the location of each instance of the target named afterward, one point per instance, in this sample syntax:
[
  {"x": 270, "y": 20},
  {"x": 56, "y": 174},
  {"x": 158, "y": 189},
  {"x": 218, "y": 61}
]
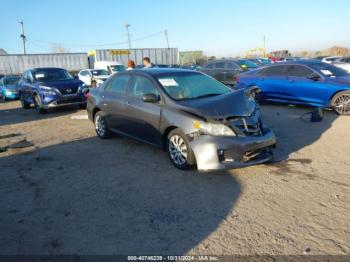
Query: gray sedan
[{"x": 196, "y": 119}]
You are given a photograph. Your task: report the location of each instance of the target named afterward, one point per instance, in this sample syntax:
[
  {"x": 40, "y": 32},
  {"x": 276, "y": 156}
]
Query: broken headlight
[{"x": 213, "y": 129}]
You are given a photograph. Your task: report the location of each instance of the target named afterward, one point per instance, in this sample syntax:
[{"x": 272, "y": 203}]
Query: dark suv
[
  {"x": 49, "y": 88},
  {"x": 224, "y": 71}
]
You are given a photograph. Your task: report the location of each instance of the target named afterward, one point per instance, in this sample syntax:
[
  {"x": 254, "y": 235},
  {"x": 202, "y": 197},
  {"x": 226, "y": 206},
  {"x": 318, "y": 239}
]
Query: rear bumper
[{"x": 217, "y": 153}]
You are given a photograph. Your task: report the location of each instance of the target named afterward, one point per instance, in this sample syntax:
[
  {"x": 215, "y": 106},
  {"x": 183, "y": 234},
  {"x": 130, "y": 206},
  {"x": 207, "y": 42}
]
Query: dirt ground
[{"x": 64, "y": 191}]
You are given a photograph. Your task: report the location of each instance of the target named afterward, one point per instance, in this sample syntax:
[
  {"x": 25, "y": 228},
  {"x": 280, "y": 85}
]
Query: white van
[{"x": 111, "y": 66}]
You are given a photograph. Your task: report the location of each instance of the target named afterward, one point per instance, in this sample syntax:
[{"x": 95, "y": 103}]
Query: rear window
[{"x": 11, "y": 81}]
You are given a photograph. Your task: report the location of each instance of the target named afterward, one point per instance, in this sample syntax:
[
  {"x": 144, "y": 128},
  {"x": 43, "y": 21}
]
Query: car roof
[
  {"x": 301, "y": 62},
  {"x": 46, "y": 68},
  {"x": 160, "y": 71}
]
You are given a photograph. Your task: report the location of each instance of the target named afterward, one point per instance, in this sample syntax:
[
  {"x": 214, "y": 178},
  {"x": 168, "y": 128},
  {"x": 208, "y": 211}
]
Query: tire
[
  {"x": 101, "y": 125},
  {"x": 25, "y": 105},
  {"x": 37, "y": 105},
  {"x": 341, "y": 103},
  {"x": 179, "y": 150}
]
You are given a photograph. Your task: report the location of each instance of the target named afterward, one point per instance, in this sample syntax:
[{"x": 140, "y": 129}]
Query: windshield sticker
[
  {"x": 39, "y": 76},
  {"x": 168, "y": 82},
  {"x": 326, "y": 72}
]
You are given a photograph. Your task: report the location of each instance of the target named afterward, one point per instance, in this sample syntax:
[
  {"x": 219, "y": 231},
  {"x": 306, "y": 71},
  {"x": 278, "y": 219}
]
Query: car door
[
  {"x": 273, "y": 82},
  {"x": 144, "y": 118},
  {"x": 219, "y": 71},
  {"x": 208, "y": 69},
  {"x": 26, "y": 86},
  {"x": 231, "y": 71},
  {"x": 306, "y": 90},
  {"x": 114, "y": 101}
]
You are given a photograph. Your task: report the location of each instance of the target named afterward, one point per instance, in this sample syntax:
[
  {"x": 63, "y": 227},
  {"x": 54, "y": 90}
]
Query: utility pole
[
  {"x": 264, "y": 41},
  {"x": 166, "y": 38},
  {"x": 128, "y": 33},
  {"x": 23, "y": 38},
  {"x": 167, "y": 42}
]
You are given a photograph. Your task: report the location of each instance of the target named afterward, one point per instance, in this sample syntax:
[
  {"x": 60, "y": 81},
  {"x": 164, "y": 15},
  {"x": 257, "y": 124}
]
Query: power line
[{"x": 88, "y": 45}]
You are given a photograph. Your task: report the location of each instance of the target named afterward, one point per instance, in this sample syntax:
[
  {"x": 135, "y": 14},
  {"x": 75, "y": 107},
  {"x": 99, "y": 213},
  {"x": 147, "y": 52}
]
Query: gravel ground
[{"x": 64, "y": 191}]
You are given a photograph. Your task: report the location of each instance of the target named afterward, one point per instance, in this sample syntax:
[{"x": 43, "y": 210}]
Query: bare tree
[{"x": 57, "y": 48}]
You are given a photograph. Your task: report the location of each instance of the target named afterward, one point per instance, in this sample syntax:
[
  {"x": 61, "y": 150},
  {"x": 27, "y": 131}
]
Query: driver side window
[{"x": 142, "y": 86}]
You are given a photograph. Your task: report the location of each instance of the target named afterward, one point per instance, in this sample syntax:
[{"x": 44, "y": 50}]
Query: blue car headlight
[{"x": 48, "y": 91}]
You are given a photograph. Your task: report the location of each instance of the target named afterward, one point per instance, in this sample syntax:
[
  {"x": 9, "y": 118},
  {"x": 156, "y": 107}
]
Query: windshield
[
  {"x": 329, "y": 70},
  {"x": 247, "y": 63},
  {"x": 99, "y": 72},
  {"x": 11, "y": 81},
  {"x": 117, "y": 68},
  {"x": 188, "y": 85},
  {"x": 51, "y": 74}
]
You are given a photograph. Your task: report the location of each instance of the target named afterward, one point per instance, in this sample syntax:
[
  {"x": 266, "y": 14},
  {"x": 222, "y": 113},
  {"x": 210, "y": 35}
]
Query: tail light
[
  {"x": 236, "y": 78},
  {"x": 87, "y": 95}
]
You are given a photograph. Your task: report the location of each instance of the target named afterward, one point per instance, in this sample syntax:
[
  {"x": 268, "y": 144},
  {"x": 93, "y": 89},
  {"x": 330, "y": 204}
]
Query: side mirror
[
  {"x": 150, "y": 98},
  {"x": 314, "y": 77},
  {"x": 76, "y": 76}
]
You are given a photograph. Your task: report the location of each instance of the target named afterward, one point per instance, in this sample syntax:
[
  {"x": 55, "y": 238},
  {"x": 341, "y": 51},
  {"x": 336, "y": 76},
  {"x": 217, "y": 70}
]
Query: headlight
[
  {"x": 48, "y": 91},
  {"x": 213, "y": 129},
  {"x": 8, "y": 91}
]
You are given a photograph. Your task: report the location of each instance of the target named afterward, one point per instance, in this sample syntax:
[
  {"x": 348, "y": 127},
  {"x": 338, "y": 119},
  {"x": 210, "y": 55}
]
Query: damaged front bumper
[{"x": 217, "y": 153}]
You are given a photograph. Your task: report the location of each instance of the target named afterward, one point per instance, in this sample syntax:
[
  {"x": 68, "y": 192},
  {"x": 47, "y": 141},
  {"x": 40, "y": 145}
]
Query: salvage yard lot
[{"x": 64, "y": 191}]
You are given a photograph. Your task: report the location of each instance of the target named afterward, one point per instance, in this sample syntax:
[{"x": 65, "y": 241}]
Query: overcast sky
[{"x": 221, "y": 27}]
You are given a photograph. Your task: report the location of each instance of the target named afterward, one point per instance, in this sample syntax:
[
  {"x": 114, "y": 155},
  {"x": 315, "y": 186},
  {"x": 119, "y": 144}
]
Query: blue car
[
  {"x": 47, "y": 88},
  {"x": 9, "y": 88},
  {"x": 305, "y": 82}
]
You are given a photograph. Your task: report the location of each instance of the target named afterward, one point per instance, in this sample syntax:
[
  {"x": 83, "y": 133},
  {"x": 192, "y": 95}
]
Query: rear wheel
[
  {"x": 101, "y": 125},
  {"x": 25, "y": 105},
  {"x": 341, "y": 103},
  {"x": 38, "y": 105},
  {"x": 179, "y": 150}
]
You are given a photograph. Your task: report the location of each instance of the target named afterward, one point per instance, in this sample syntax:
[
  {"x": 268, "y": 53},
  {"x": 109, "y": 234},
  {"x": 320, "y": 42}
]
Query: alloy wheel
[
  {"x": 178, "y": 150},
  {"x": 100, "y": 126},
  {"x": 342, "y": 104}
]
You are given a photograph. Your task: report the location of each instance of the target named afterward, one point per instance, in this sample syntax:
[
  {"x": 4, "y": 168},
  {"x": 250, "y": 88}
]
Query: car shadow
[
  {"x": 293, "y": 128},
  {"x": 113, "y": 196},
  {"x": 15, "y": 114}
]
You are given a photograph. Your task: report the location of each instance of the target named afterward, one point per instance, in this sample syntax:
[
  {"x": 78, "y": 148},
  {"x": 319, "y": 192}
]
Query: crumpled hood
[{"x": 219, "y": 107}]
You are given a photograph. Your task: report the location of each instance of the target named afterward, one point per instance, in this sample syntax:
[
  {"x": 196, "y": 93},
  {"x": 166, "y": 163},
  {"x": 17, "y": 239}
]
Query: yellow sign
[{"x": 120, "y": 52}]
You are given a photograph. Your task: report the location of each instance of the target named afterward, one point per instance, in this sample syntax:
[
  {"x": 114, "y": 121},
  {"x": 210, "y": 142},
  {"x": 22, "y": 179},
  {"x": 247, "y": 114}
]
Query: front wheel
[
  {"x": 25, "y": 105},
  {"x": 341, "y": 103},
  {"x": 101, "y": 125},
  {"x": 38, "y": 105},
  {"x": 179, "y": 150}
]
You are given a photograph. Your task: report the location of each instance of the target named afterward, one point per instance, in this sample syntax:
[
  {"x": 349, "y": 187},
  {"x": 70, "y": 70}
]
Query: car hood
[
  {"x": 62, "y": 84},
  {"x": 235, "y": 104},
  {"x": 103, "y": 77},
  {"x": 344, "y": 80}
]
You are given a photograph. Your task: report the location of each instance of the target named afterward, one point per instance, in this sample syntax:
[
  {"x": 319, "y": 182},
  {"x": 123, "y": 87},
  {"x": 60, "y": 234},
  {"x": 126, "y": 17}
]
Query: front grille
[
  {"x": 255, "y": 155},
  {"x": 65, "y": 90},
  {"x": 249, "y": 126}
]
